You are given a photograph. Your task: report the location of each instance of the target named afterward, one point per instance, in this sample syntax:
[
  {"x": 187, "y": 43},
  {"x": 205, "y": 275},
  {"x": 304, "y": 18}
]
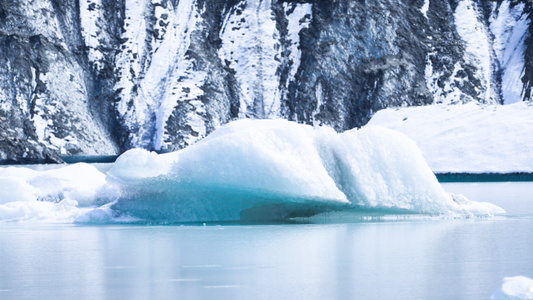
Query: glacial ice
[
  {"x": 58, "y": 195},
  {"x": 515, "y": 288},
  {"x": 468, "y": 138},
  {"x": 246, "y": 170}
]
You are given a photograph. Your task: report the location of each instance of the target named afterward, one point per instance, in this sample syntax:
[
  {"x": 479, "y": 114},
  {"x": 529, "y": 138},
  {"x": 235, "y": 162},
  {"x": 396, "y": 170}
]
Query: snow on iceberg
[
  {"x": 247, "y": 170},
  {"x": 515, "y": 288},
  {"x": 275, "y": 169}
]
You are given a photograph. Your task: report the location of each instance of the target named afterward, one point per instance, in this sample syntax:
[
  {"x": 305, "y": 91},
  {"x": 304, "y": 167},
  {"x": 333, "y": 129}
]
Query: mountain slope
[{"x": 94, "y": 77}]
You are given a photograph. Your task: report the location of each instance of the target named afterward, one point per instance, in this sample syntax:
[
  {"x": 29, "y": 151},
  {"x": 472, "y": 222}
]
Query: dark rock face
[
  {"x": 44, "y": 85},
  {"x": 359, "y": 57},
  {"x": 95, "y": 77}
]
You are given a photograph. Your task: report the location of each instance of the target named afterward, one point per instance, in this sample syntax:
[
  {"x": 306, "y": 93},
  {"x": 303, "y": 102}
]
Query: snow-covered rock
[{"x": 93, "y": 77}]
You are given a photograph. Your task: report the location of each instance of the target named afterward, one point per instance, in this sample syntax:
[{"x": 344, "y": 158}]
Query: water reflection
[{"x": 447, "y": 259}]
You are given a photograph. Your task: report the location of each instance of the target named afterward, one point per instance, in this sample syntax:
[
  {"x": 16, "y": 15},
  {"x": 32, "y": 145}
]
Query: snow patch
[
  {"x": 424, "y": 8},
  {"x": 449, "y": 93},
  {"x": 40, "y": 16},
  {"x": 154, "y": 81},
  {"x": 86, "y": 136},
  {"x": 135, "y": 110},
  {"x": 184, "y": 83},
  {"x": 91, "y": 15},
  {"x": 319, "y": 94}
]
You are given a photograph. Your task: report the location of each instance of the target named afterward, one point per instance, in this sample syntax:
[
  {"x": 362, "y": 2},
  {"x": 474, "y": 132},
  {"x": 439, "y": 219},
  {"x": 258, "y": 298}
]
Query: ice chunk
[
  {"x": 379, "y": 168},
  {"x": 515, "y": 288},
  {"x": 15, "y": 189},
  {"x": 139, "y": 164},
  {"x": 276, "y": 169},
  {"x": 53, "y": 194},
  {"x": 246, "y": 170}
]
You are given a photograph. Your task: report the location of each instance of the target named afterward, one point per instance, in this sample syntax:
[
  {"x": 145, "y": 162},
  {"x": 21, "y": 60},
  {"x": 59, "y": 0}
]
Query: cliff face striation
[{"x": 95, "y": 77}]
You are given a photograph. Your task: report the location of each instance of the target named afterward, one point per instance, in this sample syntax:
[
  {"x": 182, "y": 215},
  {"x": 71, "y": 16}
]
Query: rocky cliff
[{"x": 95, "y": 77}]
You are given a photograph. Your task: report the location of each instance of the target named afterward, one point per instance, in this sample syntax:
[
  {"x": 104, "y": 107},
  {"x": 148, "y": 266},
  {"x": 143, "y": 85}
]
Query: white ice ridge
[
  {"x": 472, "y": 31},
  {"x": 279, "y": 169},
  {"x": 510, "y": 27},
  {"x": 515, "y": 288},
  {"x": 469, "y": 138},
  {"x": 246, "y": 170}
]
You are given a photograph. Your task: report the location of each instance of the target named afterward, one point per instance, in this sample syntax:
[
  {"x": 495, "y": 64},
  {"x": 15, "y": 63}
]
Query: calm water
[{"x": 445, "y": 259}]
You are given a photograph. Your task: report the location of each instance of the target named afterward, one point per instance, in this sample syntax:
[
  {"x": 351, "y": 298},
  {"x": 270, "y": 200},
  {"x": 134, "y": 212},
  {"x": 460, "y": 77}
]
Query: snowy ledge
[{"x": 482, "y": 140}]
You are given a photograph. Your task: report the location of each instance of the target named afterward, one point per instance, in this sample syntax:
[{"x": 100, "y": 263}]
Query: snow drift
[
  {"x": 246, "y": 170},
  {"x": 469, "y": 138}
]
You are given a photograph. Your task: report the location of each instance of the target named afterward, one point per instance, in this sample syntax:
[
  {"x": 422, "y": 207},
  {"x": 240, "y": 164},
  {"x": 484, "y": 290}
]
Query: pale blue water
[{"x": 444, "y": 259}]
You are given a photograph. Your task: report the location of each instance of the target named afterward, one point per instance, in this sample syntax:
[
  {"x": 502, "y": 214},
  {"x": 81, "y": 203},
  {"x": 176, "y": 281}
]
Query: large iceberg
[{"x": 248, "y": 170}]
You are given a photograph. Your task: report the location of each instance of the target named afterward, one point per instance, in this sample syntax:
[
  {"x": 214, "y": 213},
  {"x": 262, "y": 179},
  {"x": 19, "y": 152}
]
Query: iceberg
[
  {"x": 248, "y": 170},
  {"x": 57, "y": 195},
  {"x": 515, "y": 288}
]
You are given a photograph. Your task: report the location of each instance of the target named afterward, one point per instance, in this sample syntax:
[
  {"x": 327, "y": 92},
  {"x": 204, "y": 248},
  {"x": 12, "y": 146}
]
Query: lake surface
[{"x": 402, "y": 259}]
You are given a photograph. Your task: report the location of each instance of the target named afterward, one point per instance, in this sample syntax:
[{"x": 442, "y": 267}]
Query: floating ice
[
  {"x": 515, "y": 288},
  {"x": 246, "y": 170},
  {"x": 53, "y": 195},
  {"x": 276, "y": 169}
]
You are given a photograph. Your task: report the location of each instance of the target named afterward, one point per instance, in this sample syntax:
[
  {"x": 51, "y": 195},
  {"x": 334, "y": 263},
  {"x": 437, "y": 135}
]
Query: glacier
[
  {"x": 467, "y": 138},
  {"x": 248, "y": 170}
]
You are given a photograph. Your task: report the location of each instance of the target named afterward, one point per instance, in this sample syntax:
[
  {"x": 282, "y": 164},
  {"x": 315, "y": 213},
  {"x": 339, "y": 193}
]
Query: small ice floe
[{"x": 514, "y": 288}]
